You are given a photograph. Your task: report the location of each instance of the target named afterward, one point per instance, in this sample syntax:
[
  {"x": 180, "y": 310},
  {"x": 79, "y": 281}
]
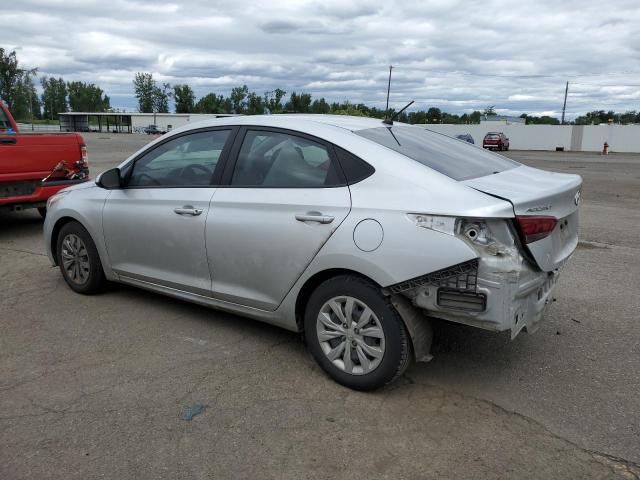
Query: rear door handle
[
  {"x": 8, "y": 140},
  {"x": 314, "y": 217},
  {"x": 188, "y": 210}
]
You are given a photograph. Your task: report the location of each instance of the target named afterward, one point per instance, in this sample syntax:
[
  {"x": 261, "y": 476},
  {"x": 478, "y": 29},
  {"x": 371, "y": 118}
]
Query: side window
[
  {"x": 273, "y": 159},
  {"x": 354, "y": 168},
  {"x": 186, "y": 161}
]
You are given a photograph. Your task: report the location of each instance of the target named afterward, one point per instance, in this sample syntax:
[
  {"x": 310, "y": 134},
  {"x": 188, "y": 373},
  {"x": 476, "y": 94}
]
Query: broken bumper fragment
[{"x": 494, "y": 292}]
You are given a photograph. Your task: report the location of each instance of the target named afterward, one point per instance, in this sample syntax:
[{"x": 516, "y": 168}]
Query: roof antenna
[
  {"x": 387, "y": 120},
  {"x": 386, "y": 110}
]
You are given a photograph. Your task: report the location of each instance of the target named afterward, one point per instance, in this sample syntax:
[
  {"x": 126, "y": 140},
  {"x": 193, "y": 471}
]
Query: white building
[{"x": 128, "y": 122}]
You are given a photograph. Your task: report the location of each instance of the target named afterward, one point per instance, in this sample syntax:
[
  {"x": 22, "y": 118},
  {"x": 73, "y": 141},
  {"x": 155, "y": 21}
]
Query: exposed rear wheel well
[
  {"x": 56, "y": 231},
  {"x": 312, "y": 283}
]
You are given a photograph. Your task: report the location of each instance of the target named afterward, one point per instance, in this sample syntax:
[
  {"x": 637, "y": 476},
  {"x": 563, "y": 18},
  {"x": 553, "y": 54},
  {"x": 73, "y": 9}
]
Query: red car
[
  {"x": 34, "y": 166},
  {"x": 495, "y": 140}
]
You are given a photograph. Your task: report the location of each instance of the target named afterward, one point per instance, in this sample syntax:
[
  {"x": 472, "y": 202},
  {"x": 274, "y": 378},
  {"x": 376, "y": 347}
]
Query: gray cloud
[{"x": 452, "y": 54}]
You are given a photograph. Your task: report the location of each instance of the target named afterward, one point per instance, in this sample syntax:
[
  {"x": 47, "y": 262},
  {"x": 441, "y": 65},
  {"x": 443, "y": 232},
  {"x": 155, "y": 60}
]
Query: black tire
[
  {"x": 42, "y": 211},
  {"x": 95, "y": 279},
  {"x": 397, "y": 344}
]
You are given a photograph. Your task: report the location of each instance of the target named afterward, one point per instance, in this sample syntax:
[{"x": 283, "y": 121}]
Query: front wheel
[
  {"x": 355, "y": 334},
  {"x": 79, "y": 260}
]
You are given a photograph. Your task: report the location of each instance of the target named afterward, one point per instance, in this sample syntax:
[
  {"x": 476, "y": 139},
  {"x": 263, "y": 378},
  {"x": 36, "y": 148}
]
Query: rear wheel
[
  {"x": 78, "y": 259},
  {"x": 355, "y": 334}
]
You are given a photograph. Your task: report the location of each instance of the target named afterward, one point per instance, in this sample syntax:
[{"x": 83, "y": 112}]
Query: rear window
[{"x": 455, "y": 159}]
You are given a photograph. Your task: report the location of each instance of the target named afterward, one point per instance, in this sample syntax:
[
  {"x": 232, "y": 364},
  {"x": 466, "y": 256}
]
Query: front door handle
[
  {"x": 8, "y": 140},
  {"x": 314, "y": 217},
  {"x": 188, "y": 210}
]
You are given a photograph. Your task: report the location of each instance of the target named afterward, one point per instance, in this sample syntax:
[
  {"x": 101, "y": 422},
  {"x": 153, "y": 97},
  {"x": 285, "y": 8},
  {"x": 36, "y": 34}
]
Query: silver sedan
[{"x": 349, "y": 230}]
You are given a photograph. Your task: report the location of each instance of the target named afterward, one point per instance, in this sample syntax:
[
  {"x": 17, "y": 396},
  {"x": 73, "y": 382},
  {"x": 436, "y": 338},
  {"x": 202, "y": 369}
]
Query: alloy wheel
[
  {"x": 350, "y": 335},
  {"x": 75, "y": 259}
]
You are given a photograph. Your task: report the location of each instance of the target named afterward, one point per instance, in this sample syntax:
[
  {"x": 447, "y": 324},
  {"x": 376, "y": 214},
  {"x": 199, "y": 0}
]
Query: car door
[
  {"x": 283, "y": 196},
  {"x": 154, "y": 225}
]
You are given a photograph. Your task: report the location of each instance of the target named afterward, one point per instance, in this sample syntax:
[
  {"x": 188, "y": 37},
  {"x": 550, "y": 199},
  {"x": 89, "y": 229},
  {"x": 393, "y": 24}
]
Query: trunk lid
[
  {"x": 537, "y": 192},
  {"x": 34, "y": 155}
]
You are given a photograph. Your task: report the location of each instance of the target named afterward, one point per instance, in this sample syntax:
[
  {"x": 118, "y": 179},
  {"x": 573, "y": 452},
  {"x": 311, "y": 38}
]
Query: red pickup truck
[{"x": 34, "y": 166}]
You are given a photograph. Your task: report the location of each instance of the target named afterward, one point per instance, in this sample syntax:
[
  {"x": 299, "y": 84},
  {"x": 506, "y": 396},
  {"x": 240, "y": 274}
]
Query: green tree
[
  {"x": 144, "y": 88},
  {"x": 239, "y": 99},
  {"x": 184, "y": 98},
  {"x": 450, "y": 118},
  {"x": 418, "y": 117},
  {"x": 54, "y": 96},
  {"x": 16, "y": 86},
  {"x": 543, "y": 120},
  {"x": 489, "y": 111},
  {"x": 212, "y": 103},
  {"x": 434, "y": 115},
  {"x": 597, "y": 117},
  {"x": 273, "y": 100},
  {"x": 299, "y": 103},
  {"x": 346, "y": 108},
  {"x": 255, "y": 104},
  {"x": 161, "y": 98},
  {"x": 87, "y": 97},
  {"x": 320, "y": 106},
  {"x": 629, "y": 117},
  {"x": 27, "y": 104}
]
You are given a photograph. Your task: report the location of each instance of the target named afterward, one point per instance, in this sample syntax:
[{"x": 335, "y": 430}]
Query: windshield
[{"x": 455, "y": 159}]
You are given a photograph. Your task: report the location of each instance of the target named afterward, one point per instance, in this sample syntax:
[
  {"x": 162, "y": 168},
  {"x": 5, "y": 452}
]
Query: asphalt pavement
[{"x": 129, "y": 384}]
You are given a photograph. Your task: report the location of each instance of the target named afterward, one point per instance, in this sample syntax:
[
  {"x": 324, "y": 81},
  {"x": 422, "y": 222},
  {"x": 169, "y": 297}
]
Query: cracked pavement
[{"x": 95, "y": 387}]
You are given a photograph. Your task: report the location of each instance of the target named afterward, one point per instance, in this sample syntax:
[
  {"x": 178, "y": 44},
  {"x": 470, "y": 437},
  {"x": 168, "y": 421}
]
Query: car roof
[{"x": 295, "y": 121}]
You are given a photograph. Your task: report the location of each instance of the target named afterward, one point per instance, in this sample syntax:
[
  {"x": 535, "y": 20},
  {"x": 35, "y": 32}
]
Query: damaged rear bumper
[{"x": 493, "y": 292}]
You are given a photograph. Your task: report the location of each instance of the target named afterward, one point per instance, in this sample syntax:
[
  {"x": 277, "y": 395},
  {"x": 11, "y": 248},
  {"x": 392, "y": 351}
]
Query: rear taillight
[{"x": 535, "y": 227}]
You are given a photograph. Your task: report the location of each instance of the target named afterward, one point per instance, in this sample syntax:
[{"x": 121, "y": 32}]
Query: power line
[
  {"x": 531, "y": 75},
  {"x": 607, "y": 85}
]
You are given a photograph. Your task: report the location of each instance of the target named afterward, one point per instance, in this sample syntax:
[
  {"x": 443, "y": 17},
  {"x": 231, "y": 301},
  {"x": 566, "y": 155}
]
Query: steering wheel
[
  {"x": 192, "y": 169},
  {"x": 153, "y": 180}
]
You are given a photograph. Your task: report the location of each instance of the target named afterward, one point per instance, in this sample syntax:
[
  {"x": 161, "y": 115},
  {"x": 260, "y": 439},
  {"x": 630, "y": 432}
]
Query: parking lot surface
[{"x": 130, "y": 384}]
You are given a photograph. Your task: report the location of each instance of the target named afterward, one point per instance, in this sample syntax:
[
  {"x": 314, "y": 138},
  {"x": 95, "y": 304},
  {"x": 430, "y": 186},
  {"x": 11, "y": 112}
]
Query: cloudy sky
[{"x": 455, "y": 55}]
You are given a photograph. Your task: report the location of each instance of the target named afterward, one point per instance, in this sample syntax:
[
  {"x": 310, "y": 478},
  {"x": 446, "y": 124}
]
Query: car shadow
[
  {"x": 461, "y": 352},
  {"x": 456, "y": 348},
  {"x": 18, "y": 226},
  {"x": 202, "y": 314}
]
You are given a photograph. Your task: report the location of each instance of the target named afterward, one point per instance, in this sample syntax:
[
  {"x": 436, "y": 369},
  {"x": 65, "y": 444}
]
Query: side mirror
[{"x": 110, "y": 180}]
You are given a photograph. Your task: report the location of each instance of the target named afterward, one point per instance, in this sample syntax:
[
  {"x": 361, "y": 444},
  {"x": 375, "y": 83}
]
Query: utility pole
[{"x": 564, "y": 106}]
